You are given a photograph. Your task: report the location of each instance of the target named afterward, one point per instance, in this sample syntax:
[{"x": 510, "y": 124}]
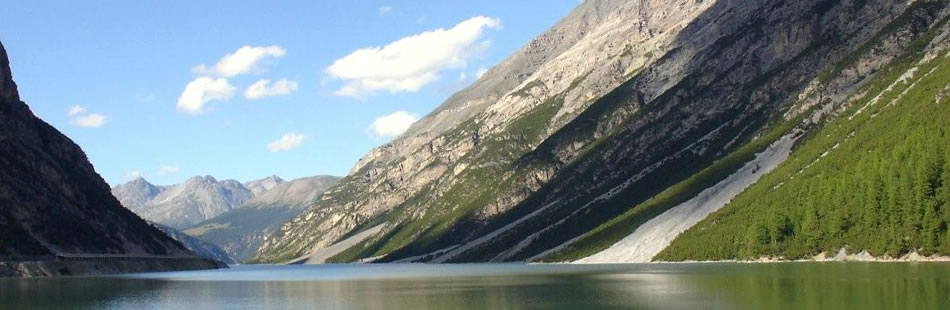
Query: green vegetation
[
  {"x": 533, "y": 124},
  {"x": 197, "y": 231},
  {"x": 878, "y": 180}
]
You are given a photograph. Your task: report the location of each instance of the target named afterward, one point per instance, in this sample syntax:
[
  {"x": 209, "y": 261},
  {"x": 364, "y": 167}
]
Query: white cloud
[
  {"x": 167, "y": 170},
  {"x": 410, "y": 63},
  {"x": 393, "y": 124},
  {"x": 76, "y": 110},
  {"x": 288, "y": 142},
  {"x": 481, "y": 71},
  {"x": 203, "y": 90},
  {"x": 79, "y": 116},
  {"x": 263, "y": 88},
  {"x": 93, "y": 120},
  {"x": 244, "y": 60},
  {"x": 385, "y": 10}
]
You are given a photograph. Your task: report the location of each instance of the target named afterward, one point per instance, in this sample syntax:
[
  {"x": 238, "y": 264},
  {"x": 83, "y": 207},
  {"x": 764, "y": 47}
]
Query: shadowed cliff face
[{"x": 52, "y": 201}]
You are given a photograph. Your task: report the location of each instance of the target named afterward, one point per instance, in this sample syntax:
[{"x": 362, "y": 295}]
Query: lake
[{"x": 501, "y": 286}]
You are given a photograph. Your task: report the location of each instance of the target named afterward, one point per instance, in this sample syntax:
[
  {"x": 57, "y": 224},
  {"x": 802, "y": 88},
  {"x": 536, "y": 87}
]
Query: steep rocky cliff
[
  {"x": 52, "y": 201},
  {"x": 604, "y": 115}
]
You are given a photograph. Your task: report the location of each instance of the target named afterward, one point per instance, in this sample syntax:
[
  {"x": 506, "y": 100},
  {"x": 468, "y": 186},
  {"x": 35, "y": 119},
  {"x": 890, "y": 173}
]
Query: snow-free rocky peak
[
  {"x": 263, "y": 185},
  {"x": 182, "y": 205}
]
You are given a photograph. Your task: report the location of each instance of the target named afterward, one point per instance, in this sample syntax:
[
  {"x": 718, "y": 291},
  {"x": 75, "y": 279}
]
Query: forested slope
[{"x": 875, "y": 178}]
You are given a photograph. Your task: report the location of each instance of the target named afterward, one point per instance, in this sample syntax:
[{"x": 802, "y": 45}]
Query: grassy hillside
[{"x": 876, "y": 178}]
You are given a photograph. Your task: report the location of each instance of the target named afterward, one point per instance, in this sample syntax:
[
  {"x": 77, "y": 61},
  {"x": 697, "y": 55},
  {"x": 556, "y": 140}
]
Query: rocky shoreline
[{"x": 841, "y": 256}]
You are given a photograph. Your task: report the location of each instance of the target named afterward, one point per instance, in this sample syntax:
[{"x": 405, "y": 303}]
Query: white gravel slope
[{"x": 656, "y": 234}]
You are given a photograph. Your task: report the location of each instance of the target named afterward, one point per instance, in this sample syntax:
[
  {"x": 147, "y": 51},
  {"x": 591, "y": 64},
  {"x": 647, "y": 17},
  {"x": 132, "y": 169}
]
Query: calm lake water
[{"x": 507, "y": 286}]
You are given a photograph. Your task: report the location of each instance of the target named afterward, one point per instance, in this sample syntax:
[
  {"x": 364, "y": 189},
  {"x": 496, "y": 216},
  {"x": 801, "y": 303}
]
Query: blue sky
[{"x": 333, "y": 78}]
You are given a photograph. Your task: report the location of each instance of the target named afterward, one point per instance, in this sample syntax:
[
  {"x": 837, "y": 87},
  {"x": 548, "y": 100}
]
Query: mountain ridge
[
  {"x": 182, "y": 205},
  {"x": 649, "y": 97}
]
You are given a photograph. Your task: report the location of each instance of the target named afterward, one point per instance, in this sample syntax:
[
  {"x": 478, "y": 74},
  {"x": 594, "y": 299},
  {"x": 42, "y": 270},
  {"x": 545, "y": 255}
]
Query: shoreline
[
  {"x": 841, "y": 257},
  {"x": 55, "y": 268}
]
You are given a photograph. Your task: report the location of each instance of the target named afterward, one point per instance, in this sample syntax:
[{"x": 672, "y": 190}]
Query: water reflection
[{"x": 416, "y": 287}]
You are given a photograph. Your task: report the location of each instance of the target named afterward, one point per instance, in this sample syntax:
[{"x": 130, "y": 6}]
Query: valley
[{"x": 628, "y": 132}]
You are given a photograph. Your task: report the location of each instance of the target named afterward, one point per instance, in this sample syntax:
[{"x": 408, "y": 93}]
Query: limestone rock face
[{"x": 52, "y": 201}]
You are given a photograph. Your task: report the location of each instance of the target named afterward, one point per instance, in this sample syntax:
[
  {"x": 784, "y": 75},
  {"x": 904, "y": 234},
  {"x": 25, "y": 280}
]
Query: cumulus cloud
[
  {"x": 264, "y": 88},
  {"x": 167, "y": 170},
  {"x": 79, "y": 116},
  {"x": 289, "y": 141},
  {"x": 410, "y": 63},
  {"x": 202, "y": 90},
  {"x": 385, "y": 10},
  {"x": 244, "y": 60},
  {"x": 393, "y": 124}
]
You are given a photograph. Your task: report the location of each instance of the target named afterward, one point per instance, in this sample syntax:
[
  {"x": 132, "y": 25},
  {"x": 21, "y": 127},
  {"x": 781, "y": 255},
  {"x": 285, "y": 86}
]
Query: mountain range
[
  {"x": 233, "y": 216},
  {"x": 629, "y": 122},
  {"x": 183, "y": 205},
  {"x": 242, "y": 230}
]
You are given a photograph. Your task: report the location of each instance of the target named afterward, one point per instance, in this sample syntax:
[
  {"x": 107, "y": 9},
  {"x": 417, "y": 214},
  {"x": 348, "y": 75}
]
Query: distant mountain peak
[
  {"x": 195, "y": 200},
  {"x": 201, "y": 179},
  {"x": 261, "y": 186}
]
